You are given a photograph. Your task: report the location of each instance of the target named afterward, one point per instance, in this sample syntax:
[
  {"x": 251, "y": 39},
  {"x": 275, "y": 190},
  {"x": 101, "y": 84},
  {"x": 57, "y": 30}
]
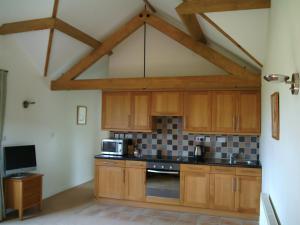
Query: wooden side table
[{"x": 23, "y": 193}]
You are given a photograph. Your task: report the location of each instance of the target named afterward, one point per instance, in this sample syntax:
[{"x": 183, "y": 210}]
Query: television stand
[
  {"x": 20, "y": 175},
  {"x": 23, "y": 193}
]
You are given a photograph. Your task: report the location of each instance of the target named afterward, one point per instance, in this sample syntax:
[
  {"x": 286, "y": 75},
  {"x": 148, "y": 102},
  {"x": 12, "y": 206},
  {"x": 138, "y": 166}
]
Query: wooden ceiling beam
[
  {"x": 192, "y": 24},
  {"x": 76, "y": 33},
  {"x": 50, "y": 23},
  {"x": 113, "y": 40},
  {"x": 207, "y": 82},
  {"x": 203, "y": 6},
  {"x": 218, "y": 28},
  {"x": 51, "y": 34},
  {"x": 201, "y": 49},
  {"x": 28, "y": 25}
]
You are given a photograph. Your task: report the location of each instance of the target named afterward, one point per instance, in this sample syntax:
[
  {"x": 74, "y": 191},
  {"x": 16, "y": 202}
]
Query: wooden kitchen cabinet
[
  {"x": 116, "y": 110},
  {"x": 167, "y": 103},
  {"x": 194, "y": 184},
  {"x": 248, "y": 112},
  {"x": 235, "y": 189},
  {"x": 198, "y": 111},
  {"x": 109, "y": 179},
  {"x": 126, "y": 111},
  {"x": 218, "y": 188},
  {"x": 236, "y": 112},
  {"x": 141, "y": 108},
  {"x": 224, "y": 111},
  {"x": 135, "y": 181},
  {"x": 248, "y": 188},
  {"x": 222, "y": 191}
]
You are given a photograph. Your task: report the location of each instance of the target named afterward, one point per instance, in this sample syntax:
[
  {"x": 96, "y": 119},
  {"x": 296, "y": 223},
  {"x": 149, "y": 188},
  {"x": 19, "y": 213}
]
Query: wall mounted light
[
  {"x": 278, "y": 78},
  {"x": 26, "y": 104}
]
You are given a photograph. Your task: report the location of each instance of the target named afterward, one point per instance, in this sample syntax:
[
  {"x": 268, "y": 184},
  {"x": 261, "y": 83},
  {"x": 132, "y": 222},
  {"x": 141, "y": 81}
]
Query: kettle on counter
[{"x": 199, "y": 151}]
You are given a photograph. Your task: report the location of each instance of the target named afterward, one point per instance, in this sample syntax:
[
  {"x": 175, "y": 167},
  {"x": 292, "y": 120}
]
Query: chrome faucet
[{"x": 233, "y": 158}]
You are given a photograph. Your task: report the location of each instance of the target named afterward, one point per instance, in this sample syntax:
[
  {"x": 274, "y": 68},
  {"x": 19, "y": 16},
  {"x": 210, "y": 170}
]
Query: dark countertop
[{"x": 182, "y": 160}]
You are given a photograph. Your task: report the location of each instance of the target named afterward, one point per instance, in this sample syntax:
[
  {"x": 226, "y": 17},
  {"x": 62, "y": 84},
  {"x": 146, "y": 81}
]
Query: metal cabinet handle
[
  {"x": 129, "y": 120},
  {"x": 163, "y": 172},
  {"x": 238, "y": 185},
  {"x": 233, "y": 184},
  {"x": 238, "y": 123},
  {"x": 233, "y": 122},
  {"x": 124, "y": 175}
]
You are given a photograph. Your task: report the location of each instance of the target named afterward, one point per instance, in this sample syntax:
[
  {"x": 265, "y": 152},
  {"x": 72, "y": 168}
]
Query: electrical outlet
[
  {"x": 221, "y": 139},
  {"x": 207, "y": 139},
  {"x": 199, "y": 138}
]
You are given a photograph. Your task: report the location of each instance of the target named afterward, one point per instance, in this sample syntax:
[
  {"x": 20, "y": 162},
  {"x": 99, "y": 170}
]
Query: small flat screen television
[{"x": 19, "y": 159}]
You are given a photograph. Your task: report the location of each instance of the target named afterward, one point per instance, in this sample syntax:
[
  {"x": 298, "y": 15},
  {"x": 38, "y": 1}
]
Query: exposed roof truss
[{"x": 239, "y": 76}]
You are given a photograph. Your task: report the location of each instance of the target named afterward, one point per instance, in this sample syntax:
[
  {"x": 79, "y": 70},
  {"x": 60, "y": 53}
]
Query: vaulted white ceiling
[{"x": 164, "y": 57}]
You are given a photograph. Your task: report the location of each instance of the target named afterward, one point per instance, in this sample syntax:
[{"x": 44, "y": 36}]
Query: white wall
[
  {"x": 64, "y": 150},
  {"x": 281, "y": 159},
  {"x": 164, "y": 57}
]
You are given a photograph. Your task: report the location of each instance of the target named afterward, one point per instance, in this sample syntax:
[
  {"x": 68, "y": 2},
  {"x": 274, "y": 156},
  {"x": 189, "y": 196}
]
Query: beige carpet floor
[{"x": 77, "y": 206}]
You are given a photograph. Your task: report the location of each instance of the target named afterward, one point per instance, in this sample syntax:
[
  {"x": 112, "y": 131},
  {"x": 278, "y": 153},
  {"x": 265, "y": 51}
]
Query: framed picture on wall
[
  {"x": 275, "y": 115},
  {"x": 81, "y": 115}
]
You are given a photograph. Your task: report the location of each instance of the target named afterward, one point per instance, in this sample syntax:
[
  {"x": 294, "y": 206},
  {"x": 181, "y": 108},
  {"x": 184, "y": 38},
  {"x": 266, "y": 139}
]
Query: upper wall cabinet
[
  {"x": 224, "y": 111},
  {"x": 123, "y": 111},
  {"x": 221, "y": 112},
  {"x": 141, "y": 108},
  {"x": 236, "y": 112},
  {"x": 197, "y": 111},
  {"x": 248, "y": 112},
  {"x": 167, "y": 103},
  {"x": 116, "y": 110}
]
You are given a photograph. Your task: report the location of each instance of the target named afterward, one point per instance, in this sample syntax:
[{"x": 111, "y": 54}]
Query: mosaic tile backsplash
[{"x": 168, "y": 138}]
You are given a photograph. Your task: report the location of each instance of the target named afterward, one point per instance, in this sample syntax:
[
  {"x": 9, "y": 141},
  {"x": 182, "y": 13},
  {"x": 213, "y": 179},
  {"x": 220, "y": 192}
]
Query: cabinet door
[
  {"x": 167, "y": 104},
  {"x": 141, "y": 107},
  {"x": 224, "y": 112},
  {"x": 248, "y": 194},
  {"x": 116, "y": 110},
  {"x": 248, "y": 119},
  {"x": 197, "y": 111},
  {"x": 222, "y": 191},
  {"x": 110, "y": 182},
  {"x": 135, "y": 184},
  {"x": 195, "y": 189}
]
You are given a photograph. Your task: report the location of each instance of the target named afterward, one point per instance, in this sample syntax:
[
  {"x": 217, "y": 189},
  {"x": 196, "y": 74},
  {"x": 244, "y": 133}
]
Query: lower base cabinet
[
  {"x": 194, "y": 185},
  {"x": 248, "y": 188},
  {"x": 119, "y": 179},
  {"x": 110, "y": 179},
  {"x": 222, "y": 191},
  {"x": 232, "y": 189},
  {"x": 235, "y": 189},
  {"x": 135, "y": 181}
]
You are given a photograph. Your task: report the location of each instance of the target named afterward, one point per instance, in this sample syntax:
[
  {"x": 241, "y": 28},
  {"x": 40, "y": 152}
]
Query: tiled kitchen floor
[{"x": 78, "y": 207}]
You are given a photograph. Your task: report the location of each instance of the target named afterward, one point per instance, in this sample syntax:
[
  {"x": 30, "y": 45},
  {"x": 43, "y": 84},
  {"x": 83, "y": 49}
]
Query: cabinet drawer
[
  {"x": 248, "y": 172},
  {"x": 222, "y": 170},
  {"x": 30, "y": 200},
  {"x": 109, "y": 162},
  {"x": 194, "y": 168},
  {"x": 32, "y": 186},
  {"x": 135, "y": 164}
]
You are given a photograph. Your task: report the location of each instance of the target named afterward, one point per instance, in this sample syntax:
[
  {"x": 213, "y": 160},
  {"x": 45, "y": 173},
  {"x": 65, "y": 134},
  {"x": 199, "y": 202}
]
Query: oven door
[{"x": 162, "y": 183}]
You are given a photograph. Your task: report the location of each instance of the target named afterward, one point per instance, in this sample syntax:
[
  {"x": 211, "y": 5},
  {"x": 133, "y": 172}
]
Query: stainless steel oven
[
  {"x": 114, "y": 146},
  {"x": 163, "y": 180}
]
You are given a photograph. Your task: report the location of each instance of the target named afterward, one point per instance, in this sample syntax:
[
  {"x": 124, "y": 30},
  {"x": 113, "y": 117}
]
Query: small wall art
[
  {"x": 81, "y": 115},
  {"x": 275, "y": 115}
]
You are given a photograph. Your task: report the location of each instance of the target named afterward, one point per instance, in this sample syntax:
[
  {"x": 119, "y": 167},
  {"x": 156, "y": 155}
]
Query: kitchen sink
[{"x": 246, "y": 162}]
